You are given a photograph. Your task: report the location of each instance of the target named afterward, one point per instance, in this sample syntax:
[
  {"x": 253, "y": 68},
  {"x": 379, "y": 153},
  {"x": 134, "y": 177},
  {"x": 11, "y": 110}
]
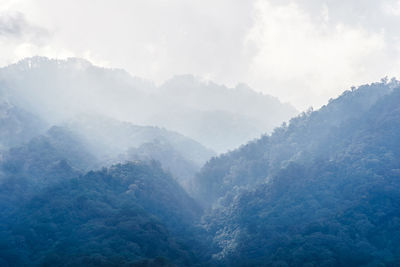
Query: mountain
[
  {"x": 47, "y": 159},
  {"x": 17, "y": 125},
  {"x": 183, "y": 169},
  {"x": 57, "y": 90},
  {"x": 102, "y": 189},
  {"x": 42, "y": 151},
  {"x": 106, "y": 139},
  {"x": 113, "y": 141},
  {"x": 132, "y": 214},
  {"x": 220, "y": 118},
  {"x": 305, "y": 138},
  {"x": 320, "y": 191},
  {"x": 90, "y": 143}
]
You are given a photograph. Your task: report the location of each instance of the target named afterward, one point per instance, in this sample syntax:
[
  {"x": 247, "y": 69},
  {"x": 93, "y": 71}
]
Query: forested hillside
[
  {"x": 320, "y": 191},
  {"x": 307, "y": 137},
  {"x": 199, "y": 133},
  {"x": 127, "y": 214},
  {"x": 92, "y": 190},
  {"x": 113, "y": 141},
  {"x": 17, "y": 125}
]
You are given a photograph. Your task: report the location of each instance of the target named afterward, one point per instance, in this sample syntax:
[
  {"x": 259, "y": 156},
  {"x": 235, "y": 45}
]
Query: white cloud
[
  {"x": 392, "y": 8},
  {"x": 303, "y": 51},
  {"x": 299, "y": 59}
]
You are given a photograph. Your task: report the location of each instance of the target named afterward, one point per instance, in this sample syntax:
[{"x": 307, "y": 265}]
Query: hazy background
[{"x": 301, "y": 51}]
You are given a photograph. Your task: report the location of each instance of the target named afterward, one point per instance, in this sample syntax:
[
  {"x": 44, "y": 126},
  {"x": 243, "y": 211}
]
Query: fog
[
  {"x": 199, "y": 133},
  {"x": 219, "y": 117},
  {"x": 303, "y": 52}
]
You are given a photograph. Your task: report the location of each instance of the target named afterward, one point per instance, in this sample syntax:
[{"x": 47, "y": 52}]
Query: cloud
[
  {"x": 14, "y": 25},
  {"x": 392, "y": 8},
  {"x": 155, "y": 39},
  {"x": 301, "y": 57},
  {"x": 19, "y": 38},
  {"x": 303, "y": 51}
]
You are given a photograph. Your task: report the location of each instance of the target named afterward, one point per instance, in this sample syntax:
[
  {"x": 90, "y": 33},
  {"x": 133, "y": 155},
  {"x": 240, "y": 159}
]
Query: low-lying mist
[
  {"x": 218, "y": 117},
  {"x": 98, "y": 168}
]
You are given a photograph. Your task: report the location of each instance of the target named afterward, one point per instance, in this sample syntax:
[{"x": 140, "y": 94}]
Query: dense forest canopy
[
  {"x": 90, "y": 189},
  {"x": 113, "y": 216},
  {"x": 320, "y": 191}
]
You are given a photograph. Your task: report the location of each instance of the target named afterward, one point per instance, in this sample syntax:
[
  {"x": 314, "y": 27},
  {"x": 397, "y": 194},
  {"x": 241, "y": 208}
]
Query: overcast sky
[{"x": 303, "y": 52}]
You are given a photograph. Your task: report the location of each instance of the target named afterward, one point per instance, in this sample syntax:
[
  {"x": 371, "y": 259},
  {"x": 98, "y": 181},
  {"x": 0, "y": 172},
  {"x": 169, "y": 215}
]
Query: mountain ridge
[
  {"x": 57, "y": 90},
  {"x": 320, "y": 193}
]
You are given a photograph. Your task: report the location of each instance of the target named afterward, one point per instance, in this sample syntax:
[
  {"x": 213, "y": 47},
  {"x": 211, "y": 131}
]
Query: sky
[{"x": 303, "y": 52}]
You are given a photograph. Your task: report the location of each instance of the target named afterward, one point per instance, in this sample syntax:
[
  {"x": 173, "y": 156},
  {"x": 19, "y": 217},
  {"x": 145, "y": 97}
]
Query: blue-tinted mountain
[
  {"x": 124, "y": 215},
  {"x": 43, "y": 151},
  {"x": 306, "y": 137},
  {"x": 220, "y": 117},
  {"x": 47, "y": 159},
  {"x": 182, "y": 168},
  {"x": 113, "y": 141},
  {"x": 320, "y": 191},
  {"x": 17, "y": 125},
  {"x": 55, "y": 214}
]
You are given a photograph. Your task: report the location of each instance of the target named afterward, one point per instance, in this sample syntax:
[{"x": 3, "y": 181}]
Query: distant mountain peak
[
  {"x": 40, "y": 61},
  {"x": 219, "y": 117}
]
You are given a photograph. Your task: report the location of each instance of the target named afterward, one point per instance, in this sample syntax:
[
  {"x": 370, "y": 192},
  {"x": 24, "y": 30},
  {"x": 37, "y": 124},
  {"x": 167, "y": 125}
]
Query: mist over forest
[
  {"x": 199, "y": 133},
  {"x": 99, "y": 168},
  {"x": 220, "y": 118}
]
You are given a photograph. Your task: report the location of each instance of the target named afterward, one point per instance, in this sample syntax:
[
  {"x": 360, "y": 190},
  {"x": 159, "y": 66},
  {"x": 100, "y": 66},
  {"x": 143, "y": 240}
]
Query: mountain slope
[
  {"x": 56, "y": 144},
  {"x": 309, "y": 136},
  {"x": 127, "y": 214},
  {"x": 117, "y": 216},
  {"x": 324, "y": 193},
  {"x": 183, "y": 169},
  {"x": 45, "y": 160},
  {"x": 220, "y": 118},
  {"x": 113, "y": 141},
  {"x": 17, "y": 126},
  {"x": 57, "y": 90}
]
